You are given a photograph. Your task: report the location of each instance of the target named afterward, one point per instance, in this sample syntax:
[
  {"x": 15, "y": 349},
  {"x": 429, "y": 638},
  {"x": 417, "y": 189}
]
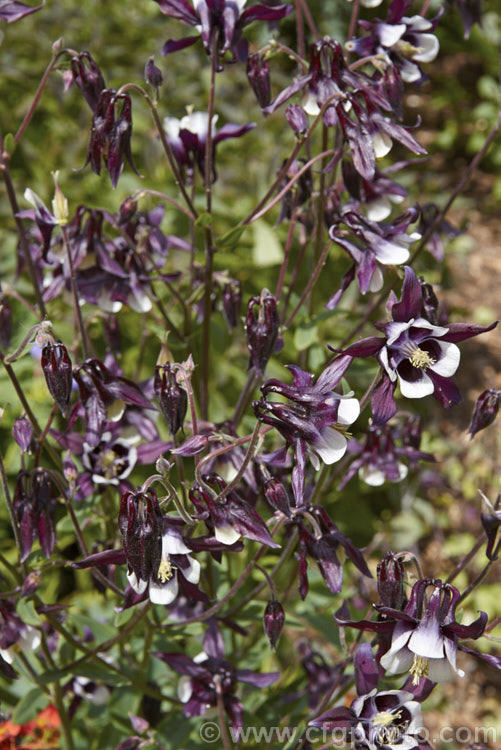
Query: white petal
[
  {"x": 138, "y": 585},
  {"x": 428, "y": 46},
  {"x": 379, "y": 209},
  {"x": 395, "y": 329},
  {"x": 172, "y": 126},
  {"x": 371, "y": 3},
  {"x": 140, "y": 303},
  {"x": 389, "y": 34},
  {"x": 449, "y": 361},
  {"x": 439, "y": 670},
  {"x": 173, "y": 544},
  {"x": 226, "y": 534},
  {"x": 372, "y": 477},
  {"x": 115, "y": 411},
  {"x": 184, "y": 688},
  {"x": 7, "y": 655},
  {"x": 417, "y": 23},
  {"x": 436, "y": 330},
  {"x": 192, "y": 574},
  {"x": 331, "y": 447},
  {"x": 376, "y": 282},
  {"x": 164, "y": 593},
  {"x": 397, "y": 662},
  {"x": 391, "y": 253},
  {"x": 310, "y": 105},
  {"x": 348, "y": 410},
  {"x": 201, "y": 657},
  {"x": 409, "y": 71},
  {"x": 382, "y": 144},
  {"x": 383, "y": 358},
  {"x": 105, "y": 302},
  {"x": 417, "y": 388}
]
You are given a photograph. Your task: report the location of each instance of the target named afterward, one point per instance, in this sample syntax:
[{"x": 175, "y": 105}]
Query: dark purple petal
[
  {"x": 108, "y": 557},
  {"x": 368, "y": 347},
  {"x": 183, "y": 10},
  {"x": 232, "y": 131},
  {"x": 345, "y": 283},
  {"x": 366, "y": 669},
  {"x": 341, "y": 717},
  {"x": 264, "y": 13},
  {"x": 422, "y": 690},
  {"x": 412, "y": 298},
  {"x": 494, "y": 661},
  {"x": 446, "y": 390},
  {"x": 254, "y": 678},
  {"x": 473, "y": 630},
  {"x": 354, "y": 554},
  {"x": 14, "y": 11},
  {"x": 383, "y": 404},
  {"x": 173, "y": 45},
  {"x": 361, "y": 145},
  {"x": 213, "y": 641},
  {"x": 330, "y": 377},
  {"x": 377, "y": 626},
  {"x": 461, "y": 331},
  {"x": 184, "y": 665}
]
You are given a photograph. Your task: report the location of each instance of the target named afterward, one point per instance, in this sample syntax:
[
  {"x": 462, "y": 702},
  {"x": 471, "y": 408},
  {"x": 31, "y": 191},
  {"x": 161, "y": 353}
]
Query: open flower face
[{"x": 415, "y": 353}]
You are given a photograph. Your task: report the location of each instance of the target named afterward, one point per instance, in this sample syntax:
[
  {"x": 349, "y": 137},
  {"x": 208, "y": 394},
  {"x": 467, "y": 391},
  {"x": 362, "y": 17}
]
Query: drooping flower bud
[
  {"x": 153, "y": 75},
  {"x": 485, "y": 411},
  {"x": 490, "y": 517},
  {"x": 88, "y": 78},
  {"x": 412, "y": 431},
  {"x": 172, "y": 398},
  {"x": 22, "y": 433},
  {"x": 258, "y": 73},
  {"x": 276, "y": 495},
  {"x": 57, "y": 368},
  {"x": 273, "y": 621},
  {"x": 296, "y": 117},
  {"x": 430, "y": 302},
  {"x": 262, "y": 329},
  {"x": 35, "y": 506},
  {"x": 390, "y": 582},
  {"x": 232, "y": 302},
  {"x": 140, "y": 522}
]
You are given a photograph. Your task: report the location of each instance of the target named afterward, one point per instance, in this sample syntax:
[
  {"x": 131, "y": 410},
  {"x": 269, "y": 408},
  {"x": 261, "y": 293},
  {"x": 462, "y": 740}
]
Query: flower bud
[
  {"x": 273, "y": 621},
  {"x": 172, "y": 397},
  {"x": 490, "y": 517},
  {"x": 297, "y": 119},
  {"x": 412, "y": 430},
  {"x": 485, "y": 411},
  {"x": 140, "y": 522},
  {"x": 153, "y": 75},
  {"x": 430, "y": 302},
  {"x": 276, "y": 495},
  {"x": 59, "y": 203},
  {"x": 232, "y": 302},
  {"x": 262, "y": 329},
  {"x": 87, "y": 77},
  {"x": 258, "y": 73},
  {"x": 31, "y": 583},
  {"x": 22, "y": 433},
  {"x": 57, "y": 368},
  {"x": 390, "y": 582}
]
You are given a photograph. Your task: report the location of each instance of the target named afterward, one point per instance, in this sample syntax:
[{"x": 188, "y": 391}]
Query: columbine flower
[
  {"x": 490, "y": 516},
  {"x": 403, "y": 42},
  {"x": 87, "y": 77},
  {"x": 485, "y": 412},
  {"x": 420, "y": 356},
  {"x": 111, "y": 460},
  {"x": 11, "y": 11},
  {"x": 157, "y": 556},
  {"x": 262, "y": 329},
  {"x": 14, "y": 634},
  {"x": 316, "y": 416},
  {"x": 373, "y": 245},
  {"x": 379, "y": 459},
  {"x": 57, "y": 369},
  {"x": 35, "y": 505},
  {"x": 188, "y": 140},
  {"x": 386, "y": 719},
  {"x": 224, "y": 18},
  {"x": 210, "y": 673}
]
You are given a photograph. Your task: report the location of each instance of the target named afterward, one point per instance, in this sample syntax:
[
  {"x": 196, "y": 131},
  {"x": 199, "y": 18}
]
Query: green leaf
[
  {"x": 267, "y": 249},
  {"x": 30, "y": 704},
  {"x": 306, "y": 335},
  {"x": 230, "y": 239},
  {"x": 99, "y": 673},
  {"x": 27, "y": 612},
  {"x": 203, "y": 220}
]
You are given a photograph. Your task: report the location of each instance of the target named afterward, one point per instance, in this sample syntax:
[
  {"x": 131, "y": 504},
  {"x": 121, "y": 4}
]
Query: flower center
[
  {"x": 107, "y": 463},
  {"x": 384, "y": 718},
  {"x": 165, "y": 570},
  {"x": 419, "y": 668},
  {"x": 421, "y": 359}
]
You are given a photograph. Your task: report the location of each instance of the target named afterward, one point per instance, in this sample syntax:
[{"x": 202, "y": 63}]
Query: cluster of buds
[{"x": 111, "y": 133}]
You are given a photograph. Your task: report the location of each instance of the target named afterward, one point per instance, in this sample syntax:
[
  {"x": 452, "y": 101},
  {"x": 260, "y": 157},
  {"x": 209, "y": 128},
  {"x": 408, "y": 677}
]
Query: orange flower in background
[{"x": 41, "y": 733}]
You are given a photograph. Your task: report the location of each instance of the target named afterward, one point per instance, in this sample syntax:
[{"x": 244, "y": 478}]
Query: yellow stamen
[
  {"x": 383, "y": 718},
  {"x": 421, "y": 359},
  {"x": 165, "y": 570},
  {"x": 419, "y": 669}
]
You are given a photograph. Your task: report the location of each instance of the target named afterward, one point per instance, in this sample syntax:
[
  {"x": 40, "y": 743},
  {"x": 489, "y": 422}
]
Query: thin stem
[
  {"x": 464, "y": 562},
  {"x": 209, "y": 242},
  {"x": 244, "y": 397},
  {"x": 63, "y": 715},
  {"x": 220, "y": 710},
  {"x": 353, "y": 19},
  {"x": 300, "y": 28},
  {"x": 482, "y": 574},
  {"x": 257, "y": 214},
  {"x": 12, "y": 514},
  {"x": 248, "y": 456},
  {"x": 310, "y": 284},
  {"x": 309, "y": 18},
  {"x": 41, "y": 439},
  {"x": 38, "y": 93},
  {"x": 11, "y": 194},
  {"x": 287, "y": 249},
  {"x": 165, "y": 143},
  {"x": 138, "y": 194},
  {"x": 74, "y": 291}
]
